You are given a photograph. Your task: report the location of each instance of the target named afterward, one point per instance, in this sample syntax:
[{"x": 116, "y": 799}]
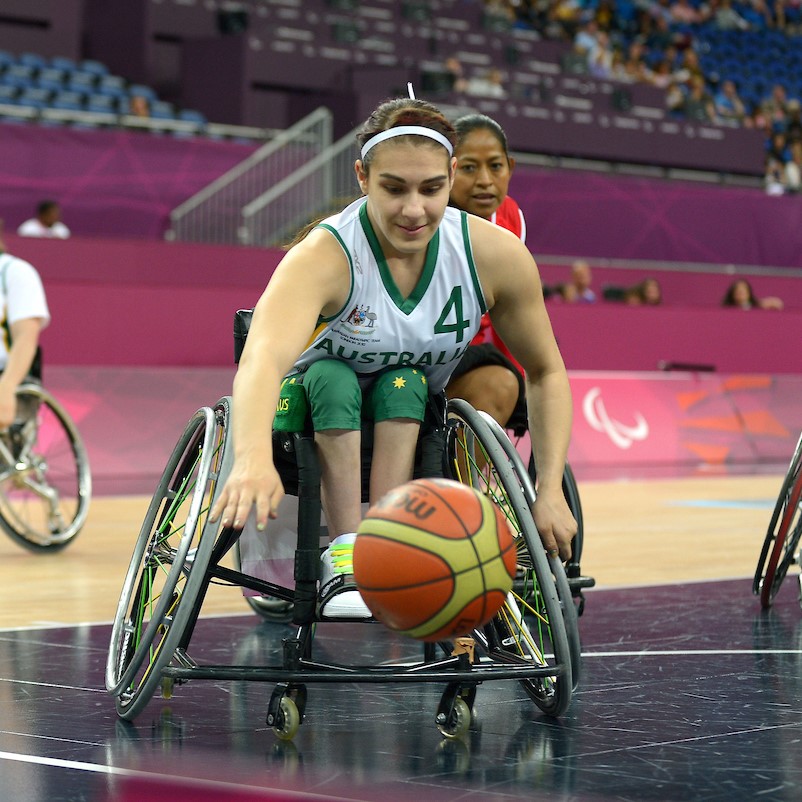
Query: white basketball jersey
[{"x": 377, "y": 328}]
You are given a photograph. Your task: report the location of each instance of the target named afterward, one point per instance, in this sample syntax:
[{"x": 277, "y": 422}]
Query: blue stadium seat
[
  {"x": 34, "y": 97},
  {"x": 20, "y": 75},
  {"x": 95, "y": 67},
  {"x": 143, "y": 91},
  {"x": 112, "y": 85},
  {"x": 63, "y": 63},
  {"x": 8, "y": 94},
  {"x": 32, "y": 60},
  {"x": 161, "y": 110},
  {"x": 80, "y": 81},
  {"x": 192, "y": 116},
  {"x": 6, "y": 58},
  {"x": 50, "y": 78},
  {"x": 106, "y": 104},
  {"x": 69, "y": 100}
]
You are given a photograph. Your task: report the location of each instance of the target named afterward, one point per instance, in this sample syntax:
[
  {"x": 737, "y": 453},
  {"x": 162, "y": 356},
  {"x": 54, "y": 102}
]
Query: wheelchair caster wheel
[
  {"x": 458, "y": 723},
  {"x": 287, "y": 720}
]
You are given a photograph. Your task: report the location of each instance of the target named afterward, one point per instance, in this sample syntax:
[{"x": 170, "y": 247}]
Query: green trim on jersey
[
  {"x": 471, "y": 264},
  {"x": 406, "y": 305},
  {"x": 339, "y": 239}
]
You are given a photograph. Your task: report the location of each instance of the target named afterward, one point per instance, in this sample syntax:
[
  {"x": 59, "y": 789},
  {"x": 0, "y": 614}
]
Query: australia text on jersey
[{"x": 391, "y": 358}]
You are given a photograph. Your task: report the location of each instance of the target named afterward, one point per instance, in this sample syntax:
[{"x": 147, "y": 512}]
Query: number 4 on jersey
[{"x": 452, "y": 309}]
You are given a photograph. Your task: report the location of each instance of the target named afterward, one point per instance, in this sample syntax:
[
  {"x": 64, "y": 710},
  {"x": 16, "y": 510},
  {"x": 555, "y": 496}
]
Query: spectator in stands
[
  {"x": 488, "y": 85},
  {"x": 657, "y": 35},
  {"x": 581, "y": 280},
  {"x": 635, "y": 68},
  {"x": 457, "y": 77},
  {"x": 47, "y": 222},
  {"x": 740, "y": 294},
  {"x": 644, "y": 293},
  {"x": 782, "y": 169},
  {"x": 663, "y": 74},
  {"x": 565, "y": 292},
  {"x": 793, "y": 122},
  {"x": 698, "y": 104},
  {"x": 726, "y": 18},
  {"x": 728, "y": 105},
  {"x": 25, "y": 311},
  {"x": 774, "y": 106},
  {"x": 586, "y": 40},
  {"x": 138, "y": 106},
  {"x": 564, "y": 18},
  {"x": 600, "y": 64},
  {"x": 487, "y": 376},
  {"x": 683, "y": 13}
]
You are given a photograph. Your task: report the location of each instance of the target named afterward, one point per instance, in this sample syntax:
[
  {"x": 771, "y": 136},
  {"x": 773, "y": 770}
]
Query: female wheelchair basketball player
[
  {"x": 395, "y": 284},
  {"x": 394, "y": 288}
]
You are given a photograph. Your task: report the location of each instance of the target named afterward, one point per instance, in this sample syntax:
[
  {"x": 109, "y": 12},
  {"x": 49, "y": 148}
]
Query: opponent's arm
[{"x": 514, "y": 294}]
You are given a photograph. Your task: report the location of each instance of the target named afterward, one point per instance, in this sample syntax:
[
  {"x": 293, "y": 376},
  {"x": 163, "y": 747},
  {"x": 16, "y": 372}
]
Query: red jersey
[{"x": 509, "y": 216}]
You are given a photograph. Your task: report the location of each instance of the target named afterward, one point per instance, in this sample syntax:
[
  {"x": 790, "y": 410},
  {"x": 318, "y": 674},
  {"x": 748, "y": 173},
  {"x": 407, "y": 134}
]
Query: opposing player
[
  {"x": 368, "y": 314},
  {"x": 488, "y": 376}
]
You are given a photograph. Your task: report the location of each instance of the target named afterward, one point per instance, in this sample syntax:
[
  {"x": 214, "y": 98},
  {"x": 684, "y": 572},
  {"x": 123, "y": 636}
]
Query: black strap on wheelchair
[
  {"x": 242, "y": 322},
  {"x": 307, "y": 554}
]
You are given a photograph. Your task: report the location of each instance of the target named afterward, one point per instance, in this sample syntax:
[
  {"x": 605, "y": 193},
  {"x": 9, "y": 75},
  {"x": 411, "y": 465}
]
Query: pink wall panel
[{"x": 128, "y": 302}]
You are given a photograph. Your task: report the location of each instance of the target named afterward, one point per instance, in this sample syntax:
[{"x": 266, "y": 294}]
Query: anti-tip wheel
[
  {"x": 458, "y": 723},
  {"x": 289, "y": 720}
]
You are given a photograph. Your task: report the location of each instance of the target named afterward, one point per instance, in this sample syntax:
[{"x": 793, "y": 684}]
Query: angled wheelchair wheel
[
  {"x": 573, "y": 570},
  {"x": 781, "y": 544},
  {"x": 530, "y": 628},
  {"x": 165, "y": 579},
  {"x": 45, "y": 481},
  {"x": 524, "y": 480}
]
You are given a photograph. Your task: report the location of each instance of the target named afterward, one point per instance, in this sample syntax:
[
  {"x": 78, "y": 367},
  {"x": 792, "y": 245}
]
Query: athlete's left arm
[{"x": 514, "y": 294}]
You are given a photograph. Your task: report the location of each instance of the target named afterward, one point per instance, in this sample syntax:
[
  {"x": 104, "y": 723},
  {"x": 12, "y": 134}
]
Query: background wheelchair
[
  {"x": 45, "y": 480},
  {"x": 533, "y": 639},
  {"x": 781, "y": 545}
]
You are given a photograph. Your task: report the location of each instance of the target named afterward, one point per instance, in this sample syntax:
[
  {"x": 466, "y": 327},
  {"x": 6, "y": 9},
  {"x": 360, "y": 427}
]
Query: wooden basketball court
[{"x": 645, "y": 532}]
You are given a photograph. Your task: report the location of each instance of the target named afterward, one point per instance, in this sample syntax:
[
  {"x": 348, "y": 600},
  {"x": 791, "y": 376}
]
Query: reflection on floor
[{"x": 689, "y": 692}]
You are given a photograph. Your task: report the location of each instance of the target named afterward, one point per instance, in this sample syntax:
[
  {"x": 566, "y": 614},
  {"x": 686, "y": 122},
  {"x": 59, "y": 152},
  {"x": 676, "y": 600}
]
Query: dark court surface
[{"x": 689, "y": 692}]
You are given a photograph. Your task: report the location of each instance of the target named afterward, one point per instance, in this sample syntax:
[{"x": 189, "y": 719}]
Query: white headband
[{"x": 405, "y": 130}]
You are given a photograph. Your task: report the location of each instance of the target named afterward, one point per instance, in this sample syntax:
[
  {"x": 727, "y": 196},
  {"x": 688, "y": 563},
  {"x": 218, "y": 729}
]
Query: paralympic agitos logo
[{"x": 622, "y": 435}]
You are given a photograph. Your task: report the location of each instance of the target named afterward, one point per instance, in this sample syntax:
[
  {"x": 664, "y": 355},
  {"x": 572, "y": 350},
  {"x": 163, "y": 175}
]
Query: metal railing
[
  {"x": 215, "y": 214},
  {"x": 320, "y": 187}
]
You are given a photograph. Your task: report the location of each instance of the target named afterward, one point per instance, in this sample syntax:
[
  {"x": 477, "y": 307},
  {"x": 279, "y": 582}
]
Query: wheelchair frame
[
  {"x": 178, "y": 555},
  {"x": 780, "y": 546},
  {"x": 45, "y": 479}
]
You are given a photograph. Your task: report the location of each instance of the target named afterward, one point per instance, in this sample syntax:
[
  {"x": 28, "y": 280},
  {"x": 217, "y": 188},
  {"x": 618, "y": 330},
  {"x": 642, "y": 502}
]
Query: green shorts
[{"x": 329, "y": 391}]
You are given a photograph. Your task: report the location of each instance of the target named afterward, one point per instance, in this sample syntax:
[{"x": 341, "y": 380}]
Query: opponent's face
[
  {"x": 407, "y": 188},
  {"x": 483, "y": 174}
]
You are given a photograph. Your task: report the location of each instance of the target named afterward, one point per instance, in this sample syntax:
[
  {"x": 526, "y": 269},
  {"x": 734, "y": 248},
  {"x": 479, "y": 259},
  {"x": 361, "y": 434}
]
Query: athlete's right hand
[{"x": 245, "y": 488}]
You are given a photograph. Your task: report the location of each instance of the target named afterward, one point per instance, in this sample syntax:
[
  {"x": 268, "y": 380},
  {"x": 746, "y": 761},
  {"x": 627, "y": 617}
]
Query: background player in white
[
  {"x": 47, "y": 223},
  {"x": 25, "y": 314}
]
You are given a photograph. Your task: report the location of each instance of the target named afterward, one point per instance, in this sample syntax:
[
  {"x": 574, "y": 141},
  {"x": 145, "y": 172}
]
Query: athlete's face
[
  {"x": 483, "y": 174},
  {"x": 407, "y": 188}
]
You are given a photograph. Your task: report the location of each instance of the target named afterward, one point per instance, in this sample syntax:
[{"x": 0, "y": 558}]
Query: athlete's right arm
[{"x": 311, "y": 281}]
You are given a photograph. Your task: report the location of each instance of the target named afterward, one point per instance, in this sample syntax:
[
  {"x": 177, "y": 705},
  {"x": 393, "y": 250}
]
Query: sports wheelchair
[
  {"x": 533, "y": 639},
  {"x": 45, "y": 480},
  {"x": 780, "y": 546}
]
